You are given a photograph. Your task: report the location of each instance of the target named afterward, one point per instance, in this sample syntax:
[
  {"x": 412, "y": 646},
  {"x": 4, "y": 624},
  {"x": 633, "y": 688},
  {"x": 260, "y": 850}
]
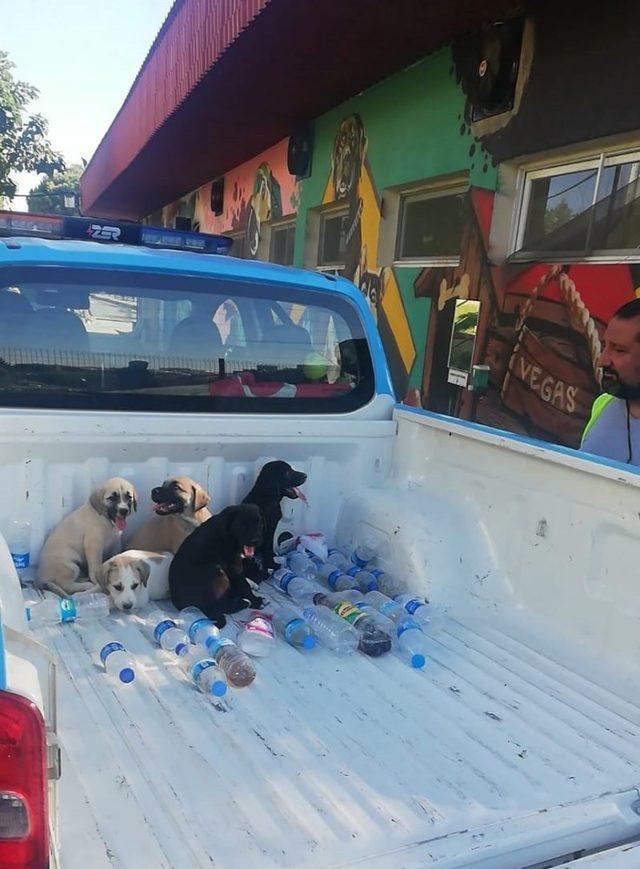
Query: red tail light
[{"x": 24, "y": 829}]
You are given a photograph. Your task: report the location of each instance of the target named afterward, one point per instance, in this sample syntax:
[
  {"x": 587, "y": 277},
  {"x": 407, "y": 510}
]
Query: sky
[{"x": 82, "y": 56}]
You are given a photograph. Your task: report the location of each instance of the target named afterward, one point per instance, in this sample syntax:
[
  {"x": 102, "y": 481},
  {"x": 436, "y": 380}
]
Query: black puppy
[
  {"x": 208, "y": 570},
  {"x": 277, "y": 480}
]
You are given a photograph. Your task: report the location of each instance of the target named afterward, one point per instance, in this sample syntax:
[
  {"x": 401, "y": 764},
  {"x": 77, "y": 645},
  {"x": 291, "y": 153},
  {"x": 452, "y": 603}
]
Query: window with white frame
[
  {"x": 282, "y": 242},
  {"x": 430, "y": 223},
  {"x": 332, "y": 243},
  {"x": 586, "y": 208}
]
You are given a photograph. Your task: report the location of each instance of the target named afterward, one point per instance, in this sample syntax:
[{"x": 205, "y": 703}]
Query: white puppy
[{"x": 135, "y": 577}]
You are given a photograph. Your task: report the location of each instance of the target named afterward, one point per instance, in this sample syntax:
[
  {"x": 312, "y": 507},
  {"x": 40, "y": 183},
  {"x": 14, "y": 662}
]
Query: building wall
[{"x": 540, "y": 323}]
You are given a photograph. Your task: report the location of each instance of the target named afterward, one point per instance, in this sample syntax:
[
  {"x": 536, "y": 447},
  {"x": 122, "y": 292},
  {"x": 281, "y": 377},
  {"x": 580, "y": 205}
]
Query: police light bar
[{"x": 110, "y": 232}]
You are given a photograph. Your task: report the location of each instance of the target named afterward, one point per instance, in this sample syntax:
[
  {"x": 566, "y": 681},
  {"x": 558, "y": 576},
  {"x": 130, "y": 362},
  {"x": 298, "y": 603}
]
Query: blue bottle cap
[
  {"x": 127, "y": 675},
  {"x": 418, "y": 661},
  {"x": 219, "y": 689},
  {"x": 309, "y": 642}
]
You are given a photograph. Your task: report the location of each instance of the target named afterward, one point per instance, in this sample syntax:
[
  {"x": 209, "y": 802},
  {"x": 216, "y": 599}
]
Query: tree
[
  {"x": 49, "y": 195},
  {"x": 24, "y": 143}
]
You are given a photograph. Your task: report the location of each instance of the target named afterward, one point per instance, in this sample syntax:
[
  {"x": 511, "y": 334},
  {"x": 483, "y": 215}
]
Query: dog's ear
[
  {"x": 144, "y": 571},
  {"x": 200, "y": 498},
  {"x": 134, "y": 499},
  {"x": 105, "y": 571},
  {"x": 96, "y": 499}
]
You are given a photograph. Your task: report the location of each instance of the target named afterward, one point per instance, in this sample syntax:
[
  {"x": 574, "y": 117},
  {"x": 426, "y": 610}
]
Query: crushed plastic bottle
[
  {"x": 256, "y": 637},
  {"x": 331, "y": 631},
  {"x": 295, "y": 630},
  {"x": 51, "y": 611},
  {"x": 233, "y": 662},
  {"x": 116, "y": 661},
  {"x": 202, "y": 669}
]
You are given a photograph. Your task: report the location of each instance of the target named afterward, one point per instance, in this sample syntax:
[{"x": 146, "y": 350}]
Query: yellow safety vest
[{"x": 597, "y": 407}]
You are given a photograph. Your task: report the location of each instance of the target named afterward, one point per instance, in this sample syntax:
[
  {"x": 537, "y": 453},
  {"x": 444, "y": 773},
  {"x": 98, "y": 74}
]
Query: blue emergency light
[{"x": 14, "y": 223}]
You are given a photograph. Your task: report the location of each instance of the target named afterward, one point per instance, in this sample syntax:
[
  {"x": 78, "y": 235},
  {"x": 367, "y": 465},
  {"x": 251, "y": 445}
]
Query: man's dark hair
[{"x": 629, "y": 310}]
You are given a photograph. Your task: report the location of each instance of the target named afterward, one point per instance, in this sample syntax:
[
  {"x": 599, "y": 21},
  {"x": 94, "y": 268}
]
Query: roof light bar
[{"x": 110, "y": 232}]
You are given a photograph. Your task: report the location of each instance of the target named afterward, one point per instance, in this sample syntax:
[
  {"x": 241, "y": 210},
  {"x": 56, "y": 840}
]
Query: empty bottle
[
  {"x": 373, "y": 641},
  {"x": 19, "y": 543},
  {"x": 417, "y": 608},
  {"x": 332, "y": 631},
  {"x": 116, "y": 661},
  {"x": 168, "y": 635},
  {"x": 202, "y": 669},
  {"x": 336, "y": 578},
  {"x": 256, "y": 637},
  {"x": 385, "y": 624},
  {"x": 411, "y": 643},
  {"x": 233, "y": 662},
  {"x": 301, "y": 564},
  {"x": 51, "y": 611},
  {"x": 365, "y": 552},
  {"x": 295, "y": 630},
  {"x": 302, "y": 591},
  {"x": 364, "y": 579},
  {"x": 385, "y": 583},
  {"x": 196, "y": 624},
  {"x": 385, "y": 605},
  {"x": 338, "y": 558}
]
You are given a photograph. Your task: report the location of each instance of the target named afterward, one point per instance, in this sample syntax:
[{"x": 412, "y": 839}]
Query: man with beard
[{"x": 613, "y": 430}]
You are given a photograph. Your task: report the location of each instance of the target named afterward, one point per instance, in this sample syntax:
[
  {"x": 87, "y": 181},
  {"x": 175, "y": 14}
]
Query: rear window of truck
[{"x": 108, "y": 340}]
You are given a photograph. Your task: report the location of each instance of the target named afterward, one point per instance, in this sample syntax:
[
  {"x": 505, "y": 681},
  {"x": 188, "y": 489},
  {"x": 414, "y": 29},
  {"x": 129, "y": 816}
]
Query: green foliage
[
  {"x": 47, "y": 197},
  {"x": 24, "y": 143}
]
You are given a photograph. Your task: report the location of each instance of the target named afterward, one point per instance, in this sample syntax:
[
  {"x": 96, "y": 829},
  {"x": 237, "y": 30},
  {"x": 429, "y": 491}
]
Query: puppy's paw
[{"x": 257, "y": 603}]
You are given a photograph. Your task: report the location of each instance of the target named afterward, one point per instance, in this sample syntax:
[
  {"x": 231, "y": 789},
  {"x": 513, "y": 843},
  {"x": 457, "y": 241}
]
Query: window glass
[
  {"x": 333, "y": 239},
  {"x": 76, "y": 338},
  {"x": 282, "y": 244},
  {"x": 430, "y": 226}
]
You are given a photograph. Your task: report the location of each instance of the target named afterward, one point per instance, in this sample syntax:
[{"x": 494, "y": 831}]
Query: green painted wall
[{"x": 415, "y": 130}]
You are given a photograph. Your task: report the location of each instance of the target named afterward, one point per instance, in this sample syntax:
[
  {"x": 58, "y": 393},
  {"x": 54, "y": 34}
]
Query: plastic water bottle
[
  {"x": 331, "y": 630},
  {"x": 335, "y": 578},
  {"x": 411, "y": 643},
  {"x": 202, "y": 669},
  {"x": 52, "y": 611},
  {"x": 116, "y": 661},
  {"x": 338, "y": 558},
  {"x": 19, "y": 543},
  {"x": 372, "y": 640},
  {"x": 301, "y": 564},
  {"x": 302, "y": 591},
  {"x": 196, "y": 624},
  {"x": 386, "y": 583},
  {"x": 385, "y": 605},
  {"x": 295, "y": 630},
  {"x": 365, "y": 552},
  {"x": 168, "y": 635},
  {"x": 233, "y": 662},
  {"x": 417, "y": 608},
  {"x": 256, "y": 637},
  {"x": 385, "y": 624},
  {"x": 364, "y": 579}
]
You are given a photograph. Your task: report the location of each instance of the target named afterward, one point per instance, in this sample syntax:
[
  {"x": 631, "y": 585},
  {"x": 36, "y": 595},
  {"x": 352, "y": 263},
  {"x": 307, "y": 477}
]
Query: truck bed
[{"x": 326, "y": 761}]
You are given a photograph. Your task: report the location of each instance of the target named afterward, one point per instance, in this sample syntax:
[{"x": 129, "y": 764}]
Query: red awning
[{"x": 226, "y": 79}]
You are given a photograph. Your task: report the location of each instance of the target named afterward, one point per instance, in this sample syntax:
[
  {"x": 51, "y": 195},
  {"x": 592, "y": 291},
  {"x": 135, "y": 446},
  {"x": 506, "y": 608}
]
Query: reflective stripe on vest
[{"x": 597, "y": 407}]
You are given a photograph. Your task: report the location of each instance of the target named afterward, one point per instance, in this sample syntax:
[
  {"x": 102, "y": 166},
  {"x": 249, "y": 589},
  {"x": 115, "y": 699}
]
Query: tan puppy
[
  {"x": 72, "y": 555},
  {"x": 135, "y": 577},
  {"x": 180, "y": 507}
]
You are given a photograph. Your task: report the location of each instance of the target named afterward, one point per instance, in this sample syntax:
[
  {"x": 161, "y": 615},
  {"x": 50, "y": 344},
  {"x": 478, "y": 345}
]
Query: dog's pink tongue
[
  {"x": 157, "y": 507},
  {"x": 301, "y": 495},
  {"x": 121, "y": 523},
  {"x": 248, "y": 551}
]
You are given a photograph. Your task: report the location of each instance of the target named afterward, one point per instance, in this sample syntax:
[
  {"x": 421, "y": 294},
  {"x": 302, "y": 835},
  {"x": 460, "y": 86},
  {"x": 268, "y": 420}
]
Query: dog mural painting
[
  {"x": 351, "y": 184},
  {"x": 539, "y": 331}
]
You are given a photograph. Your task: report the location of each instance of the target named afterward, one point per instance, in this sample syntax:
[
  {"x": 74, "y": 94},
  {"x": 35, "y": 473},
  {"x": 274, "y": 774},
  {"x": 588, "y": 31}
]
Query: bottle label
[
  {"x": 331, "y": 552},
  {"x": 161, "y": 627},
  {"x": 333, "y": 577},
  {"x": 285, "y": 579},
  {"x": 359, "y": 562},
  {"x": 20, "y": 560},
  {"x": 195, "y": 627},
  {"x": 68, "y": 610},
  {"x": 105, "y": 651},
  {"x": 200, "y": 666},
  {"x": 389, "y": 607},
  {"x": 260, "y": 626},
  {"x": 353, "y": 571},
  {"x": 409, "y": 625},
  {"x": 375, "y": 572},
  {"x": 348, "y": 612},
  {"x": 292, "y": 627},
  {"x": 412, "y": 605}
]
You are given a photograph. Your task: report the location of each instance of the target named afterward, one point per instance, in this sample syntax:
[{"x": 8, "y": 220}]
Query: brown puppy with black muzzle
[
  {"x": 72, "y": 555},
  {"x": 180, "y": 508}
]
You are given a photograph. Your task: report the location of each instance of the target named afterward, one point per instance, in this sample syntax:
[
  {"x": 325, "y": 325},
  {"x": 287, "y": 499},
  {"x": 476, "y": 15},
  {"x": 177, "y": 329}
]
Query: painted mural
[
  {"x": 351, "y": 183},
  {"x": 540, "y": 332}
]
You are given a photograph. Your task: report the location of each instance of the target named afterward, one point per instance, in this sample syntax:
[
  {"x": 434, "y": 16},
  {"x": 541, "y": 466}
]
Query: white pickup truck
[{"x": 517, "y": 745}]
